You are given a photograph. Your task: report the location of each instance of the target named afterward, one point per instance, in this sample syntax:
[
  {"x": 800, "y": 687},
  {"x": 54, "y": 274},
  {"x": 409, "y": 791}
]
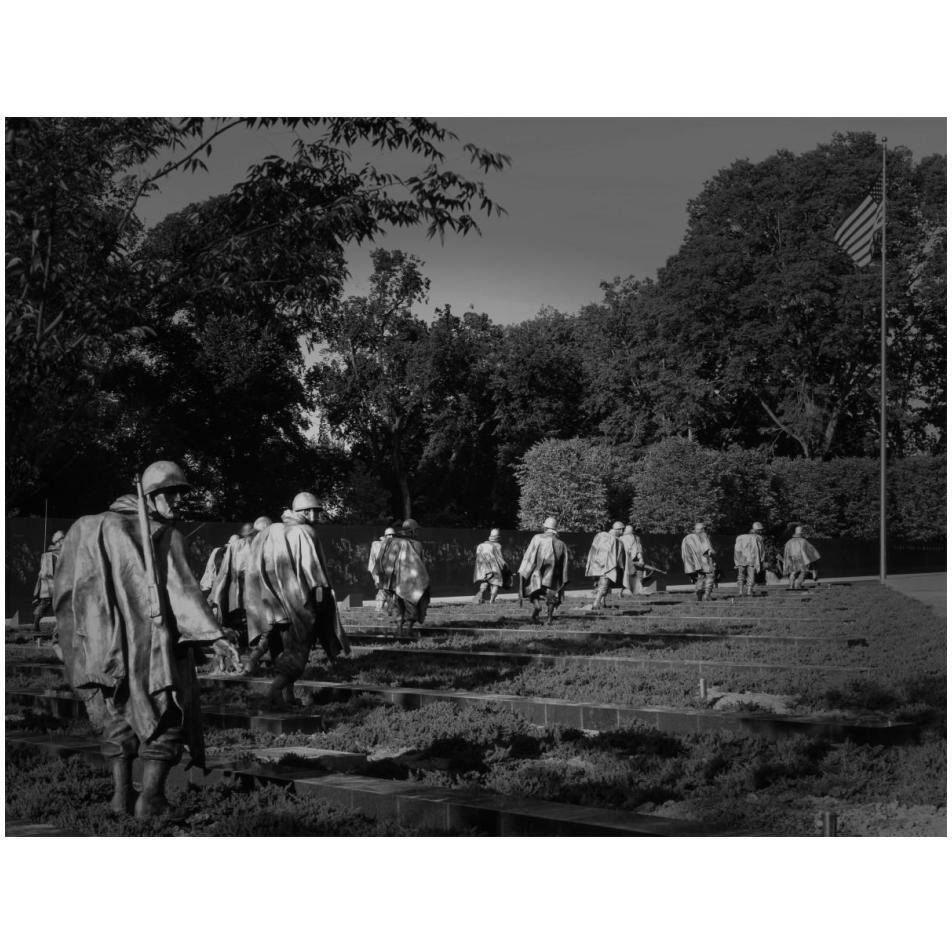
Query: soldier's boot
[
  {"x": 551, "y": 611},
  {"x": 288, "y": 695},
  {"x": 152, "y": 802},
  {"x": 36, "y": 623},
  {"x": 252, "y": 665},
  {"x": 493, "y": 592},
  {"x": 275, "y": 698},
  {"x": 535, "y": 615},
  {"x": 121, "y": 803},
  {"x": 700, "y": 594}
]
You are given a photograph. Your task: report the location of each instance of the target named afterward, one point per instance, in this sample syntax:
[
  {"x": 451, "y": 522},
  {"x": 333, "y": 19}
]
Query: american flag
[{"x": 855, "y": 235}]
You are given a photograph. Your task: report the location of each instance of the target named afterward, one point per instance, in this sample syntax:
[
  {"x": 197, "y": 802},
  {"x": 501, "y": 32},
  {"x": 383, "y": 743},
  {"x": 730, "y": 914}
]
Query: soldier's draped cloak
[
  {"x": 798, "y": 555},
  {"x": 44, "y": 580},
  {"x": 749, "y": 550},
  {"x": 545, "y": 564},
  {"x": 608, "y": 557},
  {"x": 401, "y": 569},
  {"x": 375, "y": 548},
  {"x": 211, "y": 568},
  {"x": 228, "y": 590},
  {"x": 490, "y": 564},
  {"x": 633, "y": 581},
  {"x": 286, "y": 582},
  {"x": 697, "y": 553},
  {"x": 108, "y": 637}
]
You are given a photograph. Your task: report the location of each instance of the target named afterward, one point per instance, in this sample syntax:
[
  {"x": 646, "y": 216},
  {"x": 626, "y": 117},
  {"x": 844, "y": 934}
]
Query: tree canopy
[
  {"x": 89, "y": 294},
  {"x": 674, "y": 396}
]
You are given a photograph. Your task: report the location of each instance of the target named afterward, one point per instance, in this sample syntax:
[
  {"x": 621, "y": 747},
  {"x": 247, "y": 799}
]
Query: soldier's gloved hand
[{"x": 227, "y": 654}]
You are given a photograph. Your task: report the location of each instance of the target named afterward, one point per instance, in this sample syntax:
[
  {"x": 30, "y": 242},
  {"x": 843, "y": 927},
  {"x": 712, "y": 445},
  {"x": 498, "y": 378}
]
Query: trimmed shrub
[
  {"x": 678, "y": 482},
  {"x": 567, "y": 479}
]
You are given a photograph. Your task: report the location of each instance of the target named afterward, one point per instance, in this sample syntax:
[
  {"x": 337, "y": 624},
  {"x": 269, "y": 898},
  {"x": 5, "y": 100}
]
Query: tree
[
  {"x": 538, "y": 386},
  {"x": 371, "y": 382},
  {"x": 458, "y": 468},
  {"x": 83, "y": 286},
  {"x": 785, "y": 326}
]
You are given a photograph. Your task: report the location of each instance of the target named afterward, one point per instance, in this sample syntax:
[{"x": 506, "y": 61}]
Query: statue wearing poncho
[
  {"x": 544, "y": 571},
  {"x": 607, "y": 563},
  {"x": 697, "y": 554},
  {"x": 404, "y": 576},
  {"x": 289, "y": 602},
  {"x": 798, "y": 556},
  {"x": 111, "y": 646},
  {"x": 749, "y": 555},
  {"x": 491, "y": 571}
]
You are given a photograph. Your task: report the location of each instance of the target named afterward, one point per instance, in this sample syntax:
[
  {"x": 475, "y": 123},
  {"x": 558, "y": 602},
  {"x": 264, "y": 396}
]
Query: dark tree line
[{"x": 758, "y": 333}]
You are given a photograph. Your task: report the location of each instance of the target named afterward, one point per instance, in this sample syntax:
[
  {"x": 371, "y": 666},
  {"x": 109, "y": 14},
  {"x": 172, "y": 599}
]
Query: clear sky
[{"x": 587, "y": 199}]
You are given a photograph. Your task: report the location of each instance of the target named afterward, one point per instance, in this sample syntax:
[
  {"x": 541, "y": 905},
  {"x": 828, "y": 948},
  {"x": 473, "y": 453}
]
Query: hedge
[{"x": 676, "y": 482}]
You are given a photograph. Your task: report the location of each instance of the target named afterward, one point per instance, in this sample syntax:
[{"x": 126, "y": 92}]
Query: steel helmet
[
  {"x": 163, "y": 475},
  {"x": 58, "y": 536},
  {"x": 494, "y": 535},
  {"x": 389, "y": 532},
  {"x": 699, "y": 527},
  {"x": 798, "y": 531},
  {"x": 233, "y": 538},
  {"x": 757, "y": 527},
  {"x": 304, "y": 501},
  {"x": 617, "y": 525},
  {"x": 410, "y": 525},
  {"x": 549, "y": 523},
  {"x": 629, "y": 530},
  {"x": 262, "y": 522}
]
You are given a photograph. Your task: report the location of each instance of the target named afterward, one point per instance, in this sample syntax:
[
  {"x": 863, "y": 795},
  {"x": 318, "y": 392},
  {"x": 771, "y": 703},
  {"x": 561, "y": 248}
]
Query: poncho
[
  {"x": 490, "y": 564},
  {"x": 697, "y": 553},
  {"x": 108, "y": 637},
  {"x": 286, "y": 583},
  {"x": 228, "y": 590},
  {"x": 545, "y": 565},
  {"x": 375, "y": 548},
  {"x": 401, "y": 569},
  {"x": 749, "y": 550},
  {"x": 44, "y": 580},
  {"x": 798, "y": 555},
  {"x": 634, "y": 562},
  {"x": 211, "y": 568},
  {"x": 607, "y": 558}
]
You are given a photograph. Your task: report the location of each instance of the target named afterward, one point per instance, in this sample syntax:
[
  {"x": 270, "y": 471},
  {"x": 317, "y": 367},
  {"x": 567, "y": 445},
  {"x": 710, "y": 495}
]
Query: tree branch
[{"x": 784, "y": 427}]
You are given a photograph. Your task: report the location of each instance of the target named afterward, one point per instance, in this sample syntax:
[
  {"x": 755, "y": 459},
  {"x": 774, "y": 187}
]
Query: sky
[{"x": 587, "y": 199}]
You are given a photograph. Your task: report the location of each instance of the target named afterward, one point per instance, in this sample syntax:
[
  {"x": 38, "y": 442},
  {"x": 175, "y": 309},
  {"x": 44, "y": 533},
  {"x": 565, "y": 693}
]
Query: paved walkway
[{"x": 929, "y": 588}]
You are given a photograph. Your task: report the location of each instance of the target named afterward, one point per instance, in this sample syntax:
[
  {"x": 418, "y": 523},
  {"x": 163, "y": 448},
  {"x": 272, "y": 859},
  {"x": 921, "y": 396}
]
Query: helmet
[
  {"x": 262, "y": 522},
  {"x": 410, "y": 525},
  {"x": 163, "y": 475},
  {"x": 617, "y": 525},
  {"x": 757, "y": 527},
  {"x": 549, "y": 523},
  {"x": 247, "y": 530},
  {"x": 493, "y": 535},
  {"x": 699, "y": 526},
  {"x": 58, "y": 536},
  {"x": 390, "y": 532},
  {"x": 629, "y": 530},
  {"x": 233, "y": 538},
  {"x": 798, "y": 531},
  {"x": 304, "y": 501}
]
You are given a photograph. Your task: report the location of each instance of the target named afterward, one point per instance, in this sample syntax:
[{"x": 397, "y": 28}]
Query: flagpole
[{"x": 882, "y": 391}]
